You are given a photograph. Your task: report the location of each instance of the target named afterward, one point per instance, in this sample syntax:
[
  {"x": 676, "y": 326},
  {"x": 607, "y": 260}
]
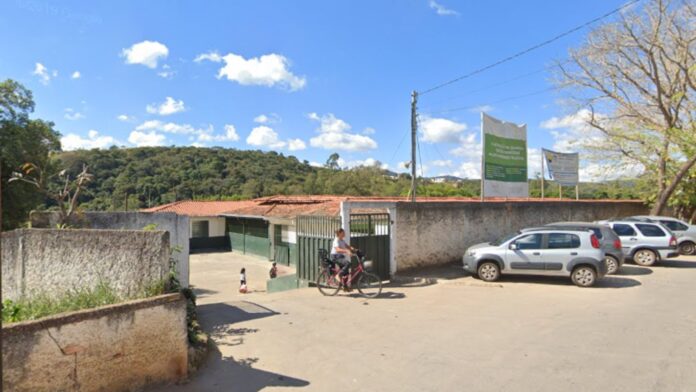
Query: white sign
[
  {"x": 563, "y": 167},
  {"x": 504, "y": 158}
]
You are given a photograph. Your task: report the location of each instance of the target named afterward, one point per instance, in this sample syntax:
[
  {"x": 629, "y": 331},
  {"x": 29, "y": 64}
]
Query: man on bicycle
[{"x": 341, "y": 253}]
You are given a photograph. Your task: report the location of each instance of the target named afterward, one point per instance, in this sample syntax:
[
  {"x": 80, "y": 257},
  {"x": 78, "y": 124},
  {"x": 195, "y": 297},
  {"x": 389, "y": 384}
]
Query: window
[
  {"x": 532, "y": 241},
  {"x": 650, "y": 230},
  {"x": 623, "y": 230},
  {"x": 563, "y": 241},
  {"x": 674, "y": 225},
  {"x": 199, "y": 229}
]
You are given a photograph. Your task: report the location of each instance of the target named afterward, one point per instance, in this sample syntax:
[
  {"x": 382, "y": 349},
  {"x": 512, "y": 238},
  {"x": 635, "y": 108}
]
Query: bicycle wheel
[
  {"x": 369, "y": 285},
  {"x": 327, "y": 283}
]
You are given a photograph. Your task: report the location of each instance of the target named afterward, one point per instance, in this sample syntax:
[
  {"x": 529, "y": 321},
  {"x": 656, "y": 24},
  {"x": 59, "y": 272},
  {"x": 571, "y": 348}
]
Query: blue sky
[{"x": 305, "y": 78}]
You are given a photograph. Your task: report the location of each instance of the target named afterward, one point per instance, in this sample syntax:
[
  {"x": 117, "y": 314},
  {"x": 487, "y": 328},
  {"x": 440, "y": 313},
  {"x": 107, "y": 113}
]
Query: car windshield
[{"x": 503, "y": 239}]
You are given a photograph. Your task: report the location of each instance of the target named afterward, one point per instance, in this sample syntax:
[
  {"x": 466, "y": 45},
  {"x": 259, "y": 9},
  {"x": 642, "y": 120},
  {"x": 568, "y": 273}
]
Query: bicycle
[{"x": 368, "y": 284}]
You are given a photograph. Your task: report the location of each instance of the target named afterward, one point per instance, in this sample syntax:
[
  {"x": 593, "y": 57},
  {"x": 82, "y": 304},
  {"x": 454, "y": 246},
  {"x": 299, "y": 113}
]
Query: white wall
[{"x": 216, "y": 225}]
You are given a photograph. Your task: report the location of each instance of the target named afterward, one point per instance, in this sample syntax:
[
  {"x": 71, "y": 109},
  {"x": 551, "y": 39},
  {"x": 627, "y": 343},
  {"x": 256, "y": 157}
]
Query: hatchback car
[
  {"x": 550, "y": 252},
  {"x": 685, "y": 233},
  {"x": 609, "y": 241},
  {"x": 644, "y": 242}
]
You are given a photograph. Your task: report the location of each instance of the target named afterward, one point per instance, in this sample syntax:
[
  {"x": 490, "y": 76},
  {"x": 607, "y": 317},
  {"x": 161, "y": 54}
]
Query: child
[
  {"x": 242, "y": 281},
  {"x": 274, "y": 271}
]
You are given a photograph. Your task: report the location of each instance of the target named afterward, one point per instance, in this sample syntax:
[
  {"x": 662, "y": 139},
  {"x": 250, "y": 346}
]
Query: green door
[{"x": 249, "y": 236}]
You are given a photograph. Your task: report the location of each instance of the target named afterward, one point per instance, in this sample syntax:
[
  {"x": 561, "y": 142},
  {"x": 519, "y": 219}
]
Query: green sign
[{"x": 504, "y": 159}]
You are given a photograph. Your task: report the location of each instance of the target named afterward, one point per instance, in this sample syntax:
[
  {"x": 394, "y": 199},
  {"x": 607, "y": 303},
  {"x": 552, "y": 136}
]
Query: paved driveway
[{"x": 635, "y": 332}]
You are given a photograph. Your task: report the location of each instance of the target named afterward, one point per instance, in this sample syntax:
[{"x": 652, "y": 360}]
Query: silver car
[
  {"x": 644, "y": 242},
  {"x": 609, "y": 241},
  {"x": 551, "y": 252},
  {"x": 685, "y": 233}
]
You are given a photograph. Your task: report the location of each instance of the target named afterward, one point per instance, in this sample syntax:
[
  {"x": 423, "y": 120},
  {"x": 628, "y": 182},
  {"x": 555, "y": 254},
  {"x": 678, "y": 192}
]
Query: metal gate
[{"x": 369, "y": 232}]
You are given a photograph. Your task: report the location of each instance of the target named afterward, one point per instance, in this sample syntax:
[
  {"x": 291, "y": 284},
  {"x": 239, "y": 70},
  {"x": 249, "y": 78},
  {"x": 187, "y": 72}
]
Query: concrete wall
[
  {"x": 54, "y": 261},
  {"x": 439, "y": 232},
  {"x": 120, "y": 347},
  {"x": 177, "y": 226}
]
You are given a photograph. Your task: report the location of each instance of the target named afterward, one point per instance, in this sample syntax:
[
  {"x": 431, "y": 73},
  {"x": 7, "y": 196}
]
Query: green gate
[
  {"x": 249, "y": 236},
  {"x": 285, "y": 252},
  {"x": 368, "y": 232}
]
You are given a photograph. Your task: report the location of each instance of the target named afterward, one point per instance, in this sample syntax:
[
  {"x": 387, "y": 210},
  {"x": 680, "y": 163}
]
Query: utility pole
[{"x": 414, "y": 135}]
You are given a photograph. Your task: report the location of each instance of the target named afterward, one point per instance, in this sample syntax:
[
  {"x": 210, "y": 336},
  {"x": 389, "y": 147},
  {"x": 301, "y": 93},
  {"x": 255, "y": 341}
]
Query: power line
[
  {"x": 530, "y": 49},
  {"x": 504, "y": 82},
  {"x": 494, "y": 102}
]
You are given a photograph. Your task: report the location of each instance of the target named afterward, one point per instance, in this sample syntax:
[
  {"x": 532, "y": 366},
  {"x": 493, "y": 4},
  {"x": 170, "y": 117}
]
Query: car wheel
[
  {"x": 612, "y": 264},
  {"x": 687, "y": 248},
  {"x": 489, "y": 271},
  {"x": 584, "y": 276},
  {"x": 645, "y": 257}
]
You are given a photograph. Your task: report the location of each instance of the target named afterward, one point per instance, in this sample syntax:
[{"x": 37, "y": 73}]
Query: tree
[
  {"x": 21, "y": 140},
  {"x": 56, "y": 185},
  {"x": 636, "y": 81},
  {"x": 332, "y": 162}
]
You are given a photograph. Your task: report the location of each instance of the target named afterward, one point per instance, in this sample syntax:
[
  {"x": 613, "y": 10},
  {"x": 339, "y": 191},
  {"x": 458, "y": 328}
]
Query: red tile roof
[{"x": 292, "y": 206}]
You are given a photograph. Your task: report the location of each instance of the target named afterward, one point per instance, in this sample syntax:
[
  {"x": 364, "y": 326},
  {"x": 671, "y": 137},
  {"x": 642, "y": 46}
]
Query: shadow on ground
[
  {"x": 671, "y": 263},
  {"x": 219, "y": 315},
  {"x": 629, "y": 270},
  {"x": 225, "y": 374},
  {"x": 608, "y": 282},
  {"x": 382, "y": 295},
  {"x": 202, "y": 293}
]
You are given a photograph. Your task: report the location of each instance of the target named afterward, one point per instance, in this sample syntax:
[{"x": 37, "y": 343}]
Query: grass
[{"x": 43, "y": 305}]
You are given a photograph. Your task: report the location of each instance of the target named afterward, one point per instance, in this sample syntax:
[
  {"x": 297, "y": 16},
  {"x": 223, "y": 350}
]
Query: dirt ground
[{"x": 633, "y": 332}]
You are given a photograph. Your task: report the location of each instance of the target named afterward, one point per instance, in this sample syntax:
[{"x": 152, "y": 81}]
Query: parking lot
[{"x": 633, "y": 332}]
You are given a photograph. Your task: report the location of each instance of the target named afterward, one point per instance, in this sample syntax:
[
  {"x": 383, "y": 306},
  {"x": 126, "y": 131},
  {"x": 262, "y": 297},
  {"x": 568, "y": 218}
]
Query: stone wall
[
  {"x": 120, "y": 347},
  {"x": 53, "y": 261},
  {"x": 439, "y": 232},
  {"x": 176, "y": 225}
]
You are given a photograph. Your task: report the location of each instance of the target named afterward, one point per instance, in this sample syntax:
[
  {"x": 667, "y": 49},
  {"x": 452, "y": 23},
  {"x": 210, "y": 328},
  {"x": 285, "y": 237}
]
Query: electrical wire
[
  {"x": 444, "y": 111},
  {"x": 530, "y": 49}
]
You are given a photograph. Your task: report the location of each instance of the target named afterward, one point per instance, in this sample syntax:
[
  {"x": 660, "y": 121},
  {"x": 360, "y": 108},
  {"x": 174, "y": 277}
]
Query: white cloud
[
  {"x": 333, "y": 135},
  {"x": 271, "y": 118},
  {"x": 369, "y": 162},
  {"x": 207, "y": 135},
  {"x": 169, "y": 106},
  {"x": 441, "y": 130},
  {"x": 441, "y": 9},
  {"x": 73, "y": 115},
  {"x": 142, "y": 139},
  {"x": 263, "y": 136},
  {"x": 166, "y": 72},
  {"x": 72, "y": 141},
  {"x": 470, "y": 170},
  {"x": 76, "y": 75},
  {"x": 315, "y": 164},
  {"x": 125, "y": 118},
  {"x": 441, "y": 163},
  {"x": 572, "y": 132},
  {"x": 210, "y": 56},
  {"x": 468, "y": 148},
  {"x": 147, "y": 53},
  {"x": 268, "y": 70},
  {"x": 45, "y": 75},
  {"x": 296, "y": 145},
  {"x": 170, "y": 127},
  {"x": 368, "y": 131},
  {"x": 598, "y": 172}
]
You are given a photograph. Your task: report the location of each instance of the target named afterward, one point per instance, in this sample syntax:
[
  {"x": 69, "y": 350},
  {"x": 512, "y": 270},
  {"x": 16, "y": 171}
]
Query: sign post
[
  {"x": 504, "y": 159},
  {"x": 563, "y": 168}
]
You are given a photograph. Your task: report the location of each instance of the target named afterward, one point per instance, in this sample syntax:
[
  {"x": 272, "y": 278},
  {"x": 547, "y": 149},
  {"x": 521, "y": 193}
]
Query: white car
[
  {"x": 685, "y": 233},
  {"x": 550, "y": 252},
  {"x": 645, "y": 242}
]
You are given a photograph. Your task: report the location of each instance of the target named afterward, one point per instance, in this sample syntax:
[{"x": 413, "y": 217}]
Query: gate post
[{"x": 345, "y": 219}]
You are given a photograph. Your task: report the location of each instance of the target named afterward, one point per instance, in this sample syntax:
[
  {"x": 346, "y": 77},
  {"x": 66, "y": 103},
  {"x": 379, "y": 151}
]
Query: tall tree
[
  {"x": 21, "y": 140},
  {"x": 636, "y": 81}
]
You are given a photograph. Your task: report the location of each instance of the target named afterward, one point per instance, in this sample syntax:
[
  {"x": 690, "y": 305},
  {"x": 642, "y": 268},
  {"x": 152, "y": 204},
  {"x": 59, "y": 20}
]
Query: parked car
[
  {"x": 685, "y": 233},
  {"x": 551, "y": 252},
  {"x": 609, "y": 241},
  {"x": 644, "y": 242}
]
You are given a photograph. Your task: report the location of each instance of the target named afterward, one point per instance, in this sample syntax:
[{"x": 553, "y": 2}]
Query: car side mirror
[{"x": 513, "y": 246}]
